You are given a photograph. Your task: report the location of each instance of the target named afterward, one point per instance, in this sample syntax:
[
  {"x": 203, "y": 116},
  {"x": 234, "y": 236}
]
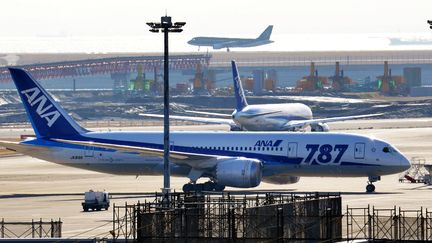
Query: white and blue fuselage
[
  {"x": 281, "y": 153},
  {"x": 271, "y": 117}
]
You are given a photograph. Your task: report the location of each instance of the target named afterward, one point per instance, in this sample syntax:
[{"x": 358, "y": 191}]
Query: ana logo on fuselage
[
  {"x": 42, "y": 110},
  {"x": 268, "y": 143}
]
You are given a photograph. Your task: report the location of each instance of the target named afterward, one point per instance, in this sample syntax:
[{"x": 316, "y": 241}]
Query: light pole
[{"x": 166, "y": 26}]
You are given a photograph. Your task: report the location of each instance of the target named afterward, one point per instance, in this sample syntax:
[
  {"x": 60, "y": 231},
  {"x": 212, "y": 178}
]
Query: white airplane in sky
[
  {"x": 264, "y": 117},
  {"x": 235, "y": 159},
  {"x": 224, "y": 42}
]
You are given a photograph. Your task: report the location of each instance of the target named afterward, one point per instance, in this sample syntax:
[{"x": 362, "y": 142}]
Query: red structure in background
[{"x": 107, "y": 66}]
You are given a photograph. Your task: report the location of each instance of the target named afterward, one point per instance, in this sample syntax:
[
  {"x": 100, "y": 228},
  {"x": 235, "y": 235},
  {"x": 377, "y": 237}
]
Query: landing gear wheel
[{"x": 370, "y": 188}]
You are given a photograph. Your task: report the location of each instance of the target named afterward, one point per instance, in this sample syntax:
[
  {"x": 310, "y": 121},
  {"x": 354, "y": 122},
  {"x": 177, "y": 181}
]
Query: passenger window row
[{"x": 243, "y": 148}]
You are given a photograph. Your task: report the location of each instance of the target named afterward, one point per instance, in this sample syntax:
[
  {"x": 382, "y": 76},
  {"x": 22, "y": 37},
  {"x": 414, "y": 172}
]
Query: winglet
[
  {"x": 238, "y": 89},
  {"x": 48, "y": 119}
]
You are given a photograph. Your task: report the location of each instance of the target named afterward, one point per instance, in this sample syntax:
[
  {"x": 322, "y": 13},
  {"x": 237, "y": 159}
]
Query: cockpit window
[{"x": 386, "y": 150}]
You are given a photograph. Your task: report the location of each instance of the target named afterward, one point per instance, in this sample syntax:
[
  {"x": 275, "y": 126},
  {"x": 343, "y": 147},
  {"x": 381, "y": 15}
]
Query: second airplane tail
[
  {"x": 238, "y": 88},
  {"x": 48, "y": 119},
  {"x": 266, "y": 34}
]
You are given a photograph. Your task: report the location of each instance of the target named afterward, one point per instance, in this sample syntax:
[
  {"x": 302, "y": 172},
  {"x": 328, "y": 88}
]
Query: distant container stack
[
  {"x": 258, "y": 80},
  {"x": 271, "y": 80},
  {"x": 262, "y": 81},
  {"x": 412, "y": 76},
  {"x": 248, "y": 83}
]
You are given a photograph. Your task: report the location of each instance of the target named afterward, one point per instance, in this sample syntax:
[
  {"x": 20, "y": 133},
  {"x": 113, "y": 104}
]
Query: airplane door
[
  {"x": 359, "y": 151},
  {"x": 89, "y": 151},
  {"x": 292, "y": 150}
]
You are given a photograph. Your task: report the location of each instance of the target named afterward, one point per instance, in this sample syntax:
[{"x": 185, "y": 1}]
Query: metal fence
[
  {"x": 265, "y": 217},
  {"x": 273, "y": 217},
  {"x": 33, "y": 229},
  {"x": 388, "y": 224}
]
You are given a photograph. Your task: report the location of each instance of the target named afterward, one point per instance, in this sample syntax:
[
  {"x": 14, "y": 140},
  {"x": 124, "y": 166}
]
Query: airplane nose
[{"x": 405, "y": 163}]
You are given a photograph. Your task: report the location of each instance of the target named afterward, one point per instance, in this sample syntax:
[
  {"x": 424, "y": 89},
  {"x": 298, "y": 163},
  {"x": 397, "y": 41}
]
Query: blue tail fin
[
  {"x": 266, "y": 34},
  {"x": 48, "y": 119},
  {"x": 238, "y": 89}
]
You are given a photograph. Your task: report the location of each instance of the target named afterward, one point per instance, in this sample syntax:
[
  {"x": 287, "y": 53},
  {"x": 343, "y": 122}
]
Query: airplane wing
[
  {"x": 198, "y": 161},
  {"x": 224, "y": 44},
  {"x": 141, "y": 150},
  {"x": 259, "y": 114},
  {"x": 205, "y": 120},
  {"x": 303, "y": 123},
  {"x": 23, "y": 147},
  {"x": 209, "y": 113}
]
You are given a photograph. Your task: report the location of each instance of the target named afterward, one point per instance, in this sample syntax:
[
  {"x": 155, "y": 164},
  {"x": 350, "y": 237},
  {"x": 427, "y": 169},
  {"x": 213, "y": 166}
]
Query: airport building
[{"x": 108, "y": 72}]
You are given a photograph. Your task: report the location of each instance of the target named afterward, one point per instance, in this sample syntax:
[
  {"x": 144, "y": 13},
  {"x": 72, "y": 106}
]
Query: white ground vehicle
[{"x": 95, "y": 201}]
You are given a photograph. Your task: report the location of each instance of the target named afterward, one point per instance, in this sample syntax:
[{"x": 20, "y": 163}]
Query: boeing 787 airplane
[
  {"x": 222, "y": 42},
  {"x": 264, "y": 117},
  {"x": 235, "y": 159}
]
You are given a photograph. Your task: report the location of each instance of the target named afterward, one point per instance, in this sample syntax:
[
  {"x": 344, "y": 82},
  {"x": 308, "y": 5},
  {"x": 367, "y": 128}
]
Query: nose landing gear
[{"x": 370, "y": 188}]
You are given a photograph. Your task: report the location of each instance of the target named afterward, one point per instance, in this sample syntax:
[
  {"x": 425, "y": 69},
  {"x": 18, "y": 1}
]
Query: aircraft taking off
[
  {"x": 221, "y": 42},
  {"x": 265, "y": 117},
  {"x": 236, "y": 159}
]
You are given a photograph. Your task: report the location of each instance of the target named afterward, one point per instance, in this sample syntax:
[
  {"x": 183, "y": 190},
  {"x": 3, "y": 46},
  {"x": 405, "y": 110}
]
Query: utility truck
[{"x": 95, "y": 200}]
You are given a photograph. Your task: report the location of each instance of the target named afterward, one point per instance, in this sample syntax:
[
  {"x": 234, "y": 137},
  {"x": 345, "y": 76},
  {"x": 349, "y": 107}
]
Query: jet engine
[
  {"x": 281, "y": 179},
  {"x": 320, "y": 127},
  {"x": 240, "y": 172},
  {"x": 220, "y": 46}
]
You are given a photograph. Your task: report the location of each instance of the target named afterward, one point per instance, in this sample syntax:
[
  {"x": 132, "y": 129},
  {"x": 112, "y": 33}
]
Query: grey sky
[
  {"x": 107, "y": 17},
  {"x": 237, "y": 18}
]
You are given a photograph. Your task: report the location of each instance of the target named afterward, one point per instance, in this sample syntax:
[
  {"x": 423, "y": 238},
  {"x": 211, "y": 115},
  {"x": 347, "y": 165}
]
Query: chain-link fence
[{"x": 33, "y": 229}]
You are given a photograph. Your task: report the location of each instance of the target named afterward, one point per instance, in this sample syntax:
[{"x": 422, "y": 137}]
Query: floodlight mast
[{"x": 166, "y": 26}]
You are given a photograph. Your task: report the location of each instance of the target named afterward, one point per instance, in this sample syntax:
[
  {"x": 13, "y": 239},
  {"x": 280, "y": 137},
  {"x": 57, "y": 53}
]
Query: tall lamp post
[{"x": 166, "y": 26}]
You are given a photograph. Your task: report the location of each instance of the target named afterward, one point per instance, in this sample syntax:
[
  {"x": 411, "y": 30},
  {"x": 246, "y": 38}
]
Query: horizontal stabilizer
[{"x": 23, "y": 148}]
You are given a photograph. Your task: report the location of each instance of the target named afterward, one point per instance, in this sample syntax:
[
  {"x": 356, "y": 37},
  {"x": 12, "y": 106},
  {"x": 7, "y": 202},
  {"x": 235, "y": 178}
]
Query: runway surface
[{"x": 33, "y": 189}]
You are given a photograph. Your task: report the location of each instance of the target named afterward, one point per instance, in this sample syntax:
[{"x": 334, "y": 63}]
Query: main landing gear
[
  {"x": 371, "y": 187},
  {"x": 199, "y": 187}
]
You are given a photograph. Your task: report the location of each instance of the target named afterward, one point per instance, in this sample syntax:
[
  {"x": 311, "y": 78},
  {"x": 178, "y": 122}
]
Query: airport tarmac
[{"x": 33, "y": 189}]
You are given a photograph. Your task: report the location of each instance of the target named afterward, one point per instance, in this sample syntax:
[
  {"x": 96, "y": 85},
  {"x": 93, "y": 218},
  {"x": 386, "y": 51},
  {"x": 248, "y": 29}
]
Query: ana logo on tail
[
  {"x": 240, "y": 91},
  {"x": 42, "y": 110}
]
